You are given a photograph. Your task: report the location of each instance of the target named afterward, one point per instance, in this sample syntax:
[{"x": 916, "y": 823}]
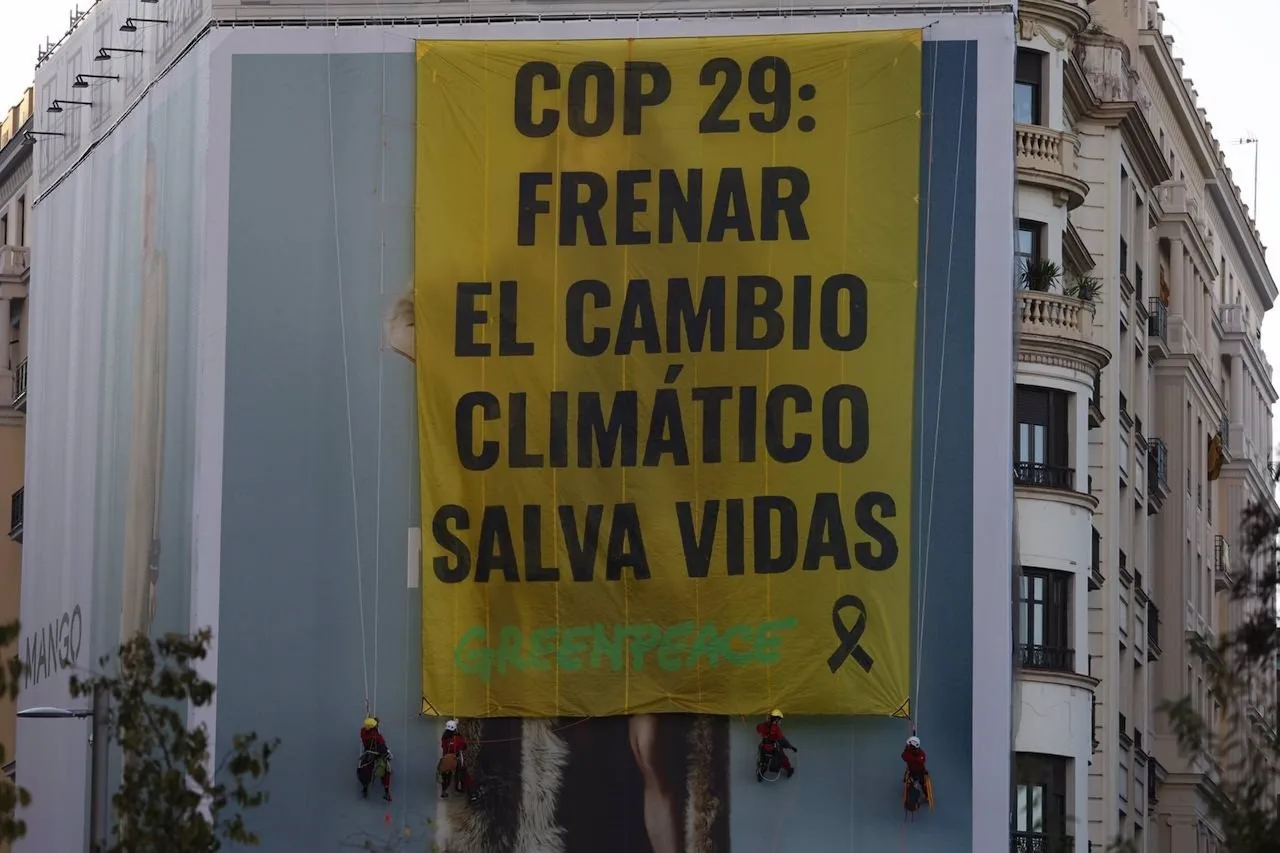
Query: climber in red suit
[{"x": 772, "y": 738}]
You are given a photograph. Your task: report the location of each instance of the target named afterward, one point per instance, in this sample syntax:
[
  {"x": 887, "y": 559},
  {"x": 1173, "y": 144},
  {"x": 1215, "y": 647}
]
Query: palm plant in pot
[
  {"x": 1040, "y": 276},
  {"x": 1085, "y": 287}
]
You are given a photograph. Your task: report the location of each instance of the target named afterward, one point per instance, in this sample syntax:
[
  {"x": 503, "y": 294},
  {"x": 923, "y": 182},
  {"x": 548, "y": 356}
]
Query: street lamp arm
[{"x": 45, "y": 712}]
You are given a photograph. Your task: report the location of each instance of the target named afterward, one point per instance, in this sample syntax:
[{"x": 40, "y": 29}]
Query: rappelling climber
[
  {"x": 917, "y": 788},
  {"x": 375, "y": 759},
  {"x": 452, "y": 765},
  {"x": 914, "y": 756},
  {"x": 773, "y": 743}
]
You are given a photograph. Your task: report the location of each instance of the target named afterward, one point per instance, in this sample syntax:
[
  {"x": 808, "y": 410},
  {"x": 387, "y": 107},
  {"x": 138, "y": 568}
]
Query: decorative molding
[
  {"x": 1059, "y": 496},
  {"x": 1155, "y": 46},
  {"x": 1084, "y": 358},
  {"x": 1066, "y": 679},
  {"x": 1183, "y": 366},
  {"x": 16, "y": 181},
  {"x": 1128, "y": 116},
  {"x": 1067, "y": 17},
  {"x": 1074, "y": 250}
]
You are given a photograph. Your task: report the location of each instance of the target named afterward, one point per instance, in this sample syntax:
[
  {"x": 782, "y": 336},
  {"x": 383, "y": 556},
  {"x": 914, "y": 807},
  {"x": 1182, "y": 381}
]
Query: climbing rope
[
  {"x": 346, "y": 381},
  {"x": 924, "y": 531}
]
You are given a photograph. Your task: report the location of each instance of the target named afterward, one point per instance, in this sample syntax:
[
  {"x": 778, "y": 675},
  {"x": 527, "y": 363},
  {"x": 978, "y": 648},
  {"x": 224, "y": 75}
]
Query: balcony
[
  {"x": 1095, "y": 402},
  {"x": 1039, "y": 842},
  {"x": 20, "y": 387},
  {"x": 1156, "y": 775},
  {"x": 1055, "y": 316},
  {"x": 1047, "y": 158},
  {"x": 1095, "y": 567},
  {"x": 1178, "y": 202},
  {"x": 1157, "y": 475},
  {"x": 1157, "y": 329},
  {"x": 1044, "y": 476},
  {"x": 1223, "y": 579},
  {"x": 1048, "y": 658},
  {"x": 1153, "y": 631},
  {"x": 15, "y": 516},
  {"x": 15, "y": 263}
]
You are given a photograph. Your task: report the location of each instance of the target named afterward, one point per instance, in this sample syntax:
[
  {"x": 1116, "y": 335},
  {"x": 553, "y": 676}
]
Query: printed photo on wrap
[{"x": 651, "y": 783}]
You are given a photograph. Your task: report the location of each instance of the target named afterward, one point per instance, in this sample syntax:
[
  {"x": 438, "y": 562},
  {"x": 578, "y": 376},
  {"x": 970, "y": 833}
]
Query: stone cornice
[
  {"x": 1075, "y": 250},
  {"x": 1144, "y": 149},
  {"x": 1068, "y": 679},
  {"x": 1080, "y": 356},
  {"x": 1249, "y": 247},
  {"x": 1153, "y": 44},
  {"x": 1068, "y": 18},
  {"x": 1187, "y": 364},
  {"x": 1063, "y": 496}
]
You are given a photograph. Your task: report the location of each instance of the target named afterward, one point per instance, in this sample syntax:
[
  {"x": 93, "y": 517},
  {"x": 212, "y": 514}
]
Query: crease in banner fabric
[{"x": 665, "y": 309}]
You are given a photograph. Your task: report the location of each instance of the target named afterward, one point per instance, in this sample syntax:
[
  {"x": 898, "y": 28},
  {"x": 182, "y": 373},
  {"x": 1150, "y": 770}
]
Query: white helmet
[
  {"x": 913, "y": 742},
  {"x": 451, "y": 726}
]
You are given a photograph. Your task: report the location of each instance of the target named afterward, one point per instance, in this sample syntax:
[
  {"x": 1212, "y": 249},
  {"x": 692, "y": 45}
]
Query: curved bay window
[
  {"x": 1044, "y": 620},
  {"x": 1040, "y": 438}
]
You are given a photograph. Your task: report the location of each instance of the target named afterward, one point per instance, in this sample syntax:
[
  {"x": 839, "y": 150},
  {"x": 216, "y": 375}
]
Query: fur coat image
[{"x": 575, "y": 786}]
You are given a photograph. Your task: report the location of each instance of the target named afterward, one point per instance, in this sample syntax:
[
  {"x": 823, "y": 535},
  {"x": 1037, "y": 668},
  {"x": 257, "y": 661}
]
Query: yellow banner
[{"x": 666, "y": 317}]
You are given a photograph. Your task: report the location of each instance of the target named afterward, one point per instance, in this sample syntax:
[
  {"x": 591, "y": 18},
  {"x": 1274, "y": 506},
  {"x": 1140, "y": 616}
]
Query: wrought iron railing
[
  {"x": 1055, "y": 658},
  {"x": 1158, "y": 319},
  {"x": 1045, "y": 476},
  {"x": 20, "y": 386},
  {"x": 1040, "y": 842},
  {"x": 15, "y": 515}
]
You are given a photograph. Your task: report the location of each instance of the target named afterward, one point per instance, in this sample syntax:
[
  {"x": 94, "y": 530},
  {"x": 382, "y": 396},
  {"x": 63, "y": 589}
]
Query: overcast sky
[{"x": 1227, "y": 44}]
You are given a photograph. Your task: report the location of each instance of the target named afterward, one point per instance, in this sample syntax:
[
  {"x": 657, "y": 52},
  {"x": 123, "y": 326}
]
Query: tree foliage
[
  {"x": 170, "y": 799},
  {"x": 1243, "y": 739},
  {"x": 12, "y": 796}
]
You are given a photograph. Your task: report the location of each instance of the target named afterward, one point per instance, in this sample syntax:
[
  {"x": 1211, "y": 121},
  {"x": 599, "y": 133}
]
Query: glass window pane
[{"x": 1024, "y": 99}]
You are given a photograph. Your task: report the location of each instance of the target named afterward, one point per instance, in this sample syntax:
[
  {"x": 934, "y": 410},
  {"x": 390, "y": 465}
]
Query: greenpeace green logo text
[{"x": 683, "y": 645}]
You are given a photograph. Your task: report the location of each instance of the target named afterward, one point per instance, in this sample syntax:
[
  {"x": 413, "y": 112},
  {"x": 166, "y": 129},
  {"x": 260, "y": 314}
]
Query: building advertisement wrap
[
  {"x": 112, "y": 425},
  {"x": 666, "y": 372},
  {"x": 238, "y": 345}
]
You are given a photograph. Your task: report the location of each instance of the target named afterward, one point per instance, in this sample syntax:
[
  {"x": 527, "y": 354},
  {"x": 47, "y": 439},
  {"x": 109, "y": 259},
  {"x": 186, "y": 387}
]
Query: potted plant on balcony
[
  {"x": 1085, "y": 287},
  {"x": 1040, "y": 276}
]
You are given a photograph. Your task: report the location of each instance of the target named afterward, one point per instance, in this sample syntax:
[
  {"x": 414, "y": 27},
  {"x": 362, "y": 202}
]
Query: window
[
  {"x": 22, "y": 221},
  {"x": 1028, "y": 250},
  {"x": 1040, "y": 441},
  {"x": 1040, "y": 804},
  {"x": 4, "y": 230},
  {"x": 1044, "y": 620},
  {"x": 1028, "y": 77}
]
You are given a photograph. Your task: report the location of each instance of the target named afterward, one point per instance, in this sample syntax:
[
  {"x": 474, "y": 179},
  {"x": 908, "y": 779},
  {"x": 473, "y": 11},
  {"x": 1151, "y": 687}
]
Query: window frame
[
  {"x": 1048, "y": 773},
  {"x": 1048, "y": 594},
  {"x": 1022, "y": 260},
  {"x": 1042, "y": 437},
  {"x": 1028, "y": 76}
]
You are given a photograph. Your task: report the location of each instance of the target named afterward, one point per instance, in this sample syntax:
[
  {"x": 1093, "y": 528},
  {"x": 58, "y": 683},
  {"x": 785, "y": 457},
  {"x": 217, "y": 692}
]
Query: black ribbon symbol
[{"x": 850, "y": 638}]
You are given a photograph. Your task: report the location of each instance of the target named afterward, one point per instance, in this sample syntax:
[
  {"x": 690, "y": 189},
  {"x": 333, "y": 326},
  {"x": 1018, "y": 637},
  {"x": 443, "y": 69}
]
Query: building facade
[
  {"x": 1140, "y": 267},
  {"x": 15, "y": 277},
  {"x": 237, "y": 443}
]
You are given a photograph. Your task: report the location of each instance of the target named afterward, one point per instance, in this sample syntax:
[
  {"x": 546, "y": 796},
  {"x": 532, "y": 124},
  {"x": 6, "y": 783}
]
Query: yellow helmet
[
  {"x": 776, "y": 713},
  {"x": 370, "y": 723}
]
